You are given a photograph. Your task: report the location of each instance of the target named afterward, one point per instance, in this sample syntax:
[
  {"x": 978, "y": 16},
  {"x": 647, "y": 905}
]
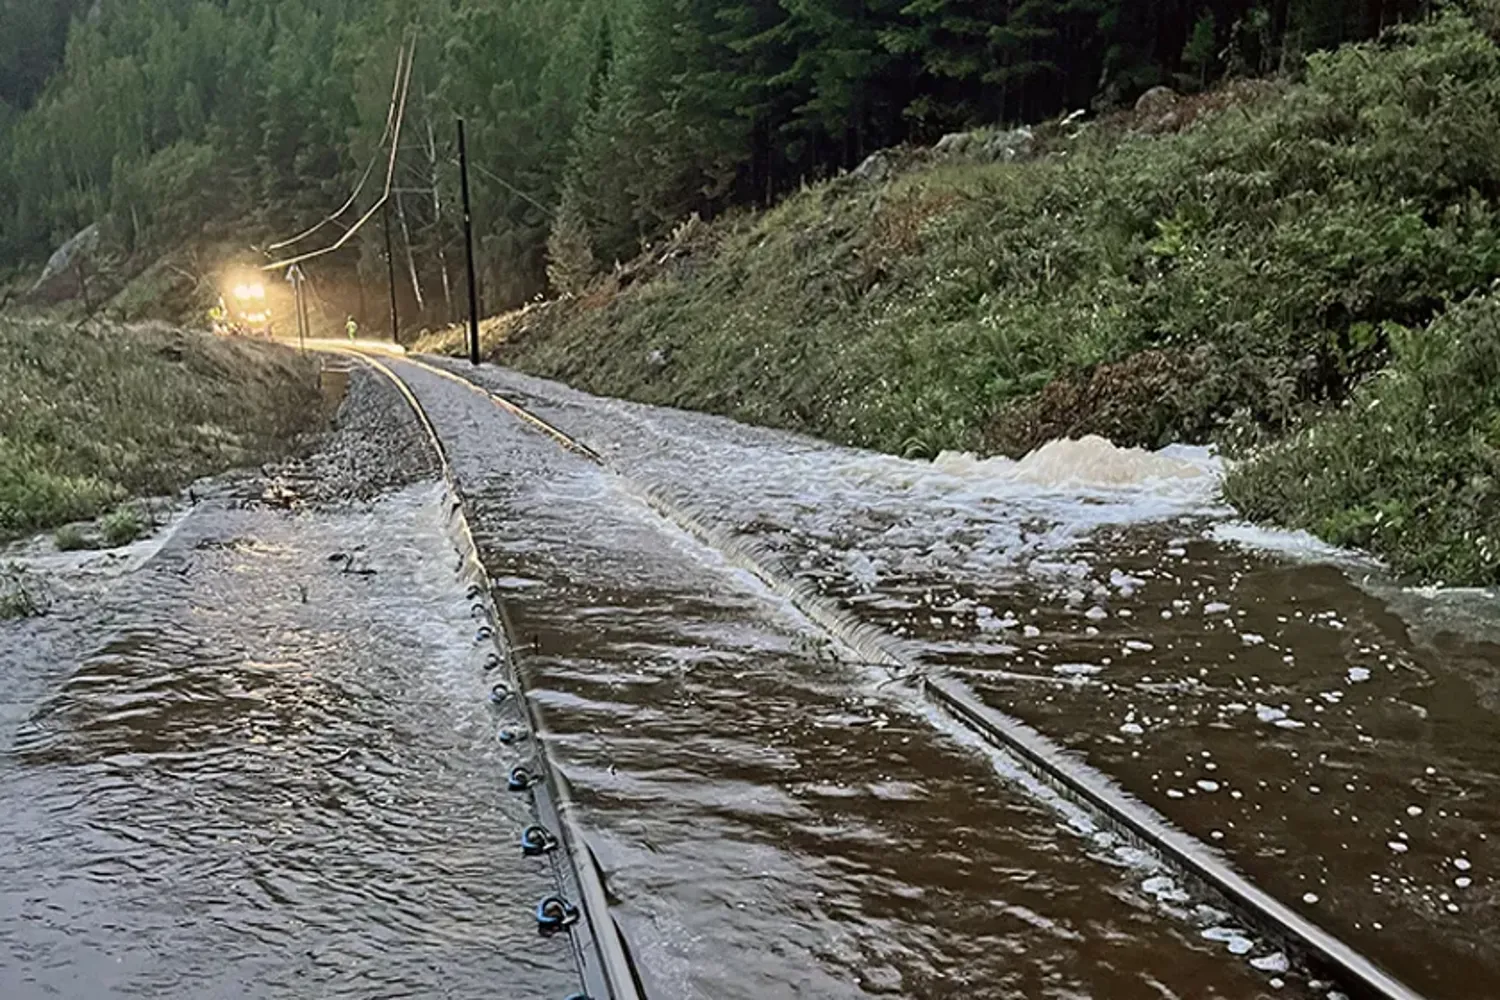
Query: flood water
[
  {"x": 263, "y": 765},
  {"x": 1333, "y": 735},
  {"x": 261, "y": 761},
  {"x": 773, "y": 822}
]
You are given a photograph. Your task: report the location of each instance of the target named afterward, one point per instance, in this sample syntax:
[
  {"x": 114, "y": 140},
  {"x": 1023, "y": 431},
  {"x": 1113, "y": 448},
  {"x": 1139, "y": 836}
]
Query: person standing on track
[{"x": 351, "y": 327}]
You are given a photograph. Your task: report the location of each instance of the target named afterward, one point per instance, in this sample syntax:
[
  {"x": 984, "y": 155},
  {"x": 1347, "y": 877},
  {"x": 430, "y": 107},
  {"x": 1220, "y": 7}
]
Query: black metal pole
[
  {"x": 390, "y": 272},
  {"x": 463, "y": 174},
  {"x": 301, "y": 308},
  {"x": 302, "y": 294}
]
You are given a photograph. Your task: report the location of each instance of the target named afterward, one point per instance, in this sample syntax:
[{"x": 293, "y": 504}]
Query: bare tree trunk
[
  {"x": 437, "y": 219},
  {"x": 83, "y": 285},
  {"x": 411, "y": 260}
]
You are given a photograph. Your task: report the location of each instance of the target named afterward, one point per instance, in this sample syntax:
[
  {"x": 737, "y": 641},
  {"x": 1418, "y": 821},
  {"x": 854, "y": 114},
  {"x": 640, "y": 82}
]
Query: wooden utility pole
[
  {"x": 463, "y": 178},
  {"x": 437, "y": 219},
  {"x": 390, "y": 273},
  {"x": 300, "y": 303}
]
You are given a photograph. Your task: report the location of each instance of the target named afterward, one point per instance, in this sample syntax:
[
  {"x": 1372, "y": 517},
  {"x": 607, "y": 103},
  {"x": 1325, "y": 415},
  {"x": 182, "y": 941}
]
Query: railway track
[
  {"x": 580, "y": 907},
  {"x": 604, "y": 955}
]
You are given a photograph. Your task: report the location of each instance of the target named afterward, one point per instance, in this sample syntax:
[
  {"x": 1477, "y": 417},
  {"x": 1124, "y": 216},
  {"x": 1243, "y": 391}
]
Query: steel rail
[
  {"x": 604, "y": 958},
  {"x": 1032, "y": 750}
]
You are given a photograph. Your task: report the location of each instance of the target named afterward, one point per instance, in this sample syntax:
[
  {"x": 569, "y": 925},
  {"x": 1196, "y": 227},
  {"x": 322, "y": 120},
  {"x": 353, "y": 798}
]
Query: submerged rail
[
  {"x": 1030, "y": 749},
  {"x": 580, "y": 907}
]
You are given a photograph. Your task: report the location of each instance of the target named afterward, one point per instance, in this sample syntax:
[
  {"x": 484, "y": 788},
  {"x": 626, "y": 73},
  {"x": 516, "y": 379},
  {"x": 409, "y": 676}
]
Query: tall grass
[{"x": 89, "y": 417}]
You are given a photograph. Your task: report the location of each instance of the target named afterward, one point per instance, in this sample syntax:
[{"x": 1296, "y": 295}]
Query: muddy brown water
[
  {"x": 264, "y": 765},
  {"x": 1260, "y": 691},
  {"x": 771, "y": 823},
  {"x": 262, "y": 762}
]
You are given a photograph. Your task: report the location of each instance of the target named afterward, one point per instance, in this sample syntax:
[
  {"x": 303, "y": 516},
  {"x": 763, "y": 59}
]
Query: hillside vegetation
[
  {"x": 1301, "y": 272},
  {"x": 592, "y": 124},
  {"x": 91, "y": 417},
  {"x": 1293, "y": 252}
]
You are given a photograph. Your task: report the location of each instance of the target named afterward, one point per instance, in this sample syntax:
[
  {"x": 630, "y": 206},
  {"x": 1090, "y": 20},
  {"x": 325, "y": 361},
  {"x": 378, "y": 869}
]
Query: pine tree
[
  {"x": 1198, "y": 53},
  {"x": 570, "y": 257}
]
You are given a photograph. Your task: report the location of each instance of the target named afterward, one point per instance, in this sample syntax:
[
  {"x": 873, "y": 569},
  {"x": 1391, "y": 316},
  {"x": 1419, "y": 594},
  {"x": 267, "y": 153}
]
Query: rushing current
[
  {"x": 263, "y": 764},
  {"x": 255, "y": 757},
  {"x": 1329, "y": 731}
]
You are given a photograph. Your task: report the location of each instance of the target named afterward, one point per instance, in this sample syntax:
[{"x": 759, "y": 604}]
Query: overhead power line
[
  {"x": 385, "y": 134},
  {"x": 404, "y": 88},
  {"x": 513, "y": 189}
]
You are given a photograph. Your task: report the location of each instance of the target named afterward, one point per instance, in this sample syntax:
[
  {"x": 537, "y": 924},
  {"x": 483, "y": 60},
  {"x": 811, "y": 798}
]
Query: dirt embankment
[{"x": 93, "y": 415}]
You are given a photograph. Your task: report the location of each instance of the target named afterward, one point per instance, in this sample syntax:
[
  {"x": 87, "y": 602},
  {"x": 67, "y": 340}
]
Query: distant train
[{"x": 244, "y": 311}]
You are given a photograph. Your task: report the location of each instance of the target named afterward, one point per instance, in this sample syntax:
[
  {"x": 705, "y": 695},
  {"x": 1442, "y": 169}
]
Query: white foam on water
[
  {"x": 1299, "y": 546},
  {"x": 1093, "y": 463}
]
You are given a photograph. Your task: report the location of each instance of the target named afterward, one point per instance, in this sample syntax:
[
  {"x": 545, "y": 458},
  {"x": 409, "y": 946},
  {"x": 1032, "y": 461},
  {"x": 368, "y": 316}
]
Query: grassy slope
[
  {"x": 1234, "y": 280},
  {"x": 1411, "y": 466},
  {"x": 89, "y": 418}
]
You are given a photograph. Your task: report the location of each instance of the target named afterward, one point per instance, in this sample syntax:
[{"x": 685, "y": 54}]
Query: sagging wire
[
  {"x": 385, "y": 134},
  {"x": 390, "y": 175}
]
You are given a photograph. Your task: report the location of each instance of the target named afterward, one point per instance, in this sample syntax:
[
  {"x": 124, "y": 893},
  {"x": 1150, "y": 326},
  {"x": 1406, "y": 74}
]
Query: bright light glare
[{"x": 249, "y": 291}]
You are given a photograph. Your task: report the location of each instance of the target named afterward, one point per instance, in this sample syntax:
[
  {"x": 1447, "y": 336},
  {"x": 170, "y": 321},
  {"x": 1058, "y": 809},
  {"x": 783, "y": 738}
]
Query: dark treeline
[{"x": 597, "y": 123}]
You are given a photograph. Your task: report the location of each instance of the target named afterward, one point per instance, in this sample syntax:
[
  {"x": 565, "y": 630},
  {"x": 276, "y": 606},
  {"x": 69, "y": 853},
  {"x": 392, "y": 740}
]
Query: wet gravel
[{"x": 375, "y": 446}]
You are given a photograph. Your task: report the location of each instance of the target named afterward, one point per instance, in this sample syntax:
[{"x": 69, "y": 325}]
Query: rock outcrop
[{"x": 67, "y": 270}]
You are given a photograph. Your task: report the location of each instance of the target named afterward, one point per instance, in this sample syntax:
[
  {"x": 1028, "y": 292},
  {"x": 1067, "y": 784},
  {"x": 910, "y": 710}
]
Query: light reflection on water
[
  {"x": 1340, "y": 752},
  {"x": 212, "y": 788}
]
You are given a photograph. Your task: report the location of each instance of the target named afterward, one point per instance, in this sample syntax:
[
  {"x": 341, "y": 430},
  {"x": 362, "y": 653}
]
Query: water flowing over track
[
  {"x": 1197, "y": 876},
  {"x": 794, "y": 720}
]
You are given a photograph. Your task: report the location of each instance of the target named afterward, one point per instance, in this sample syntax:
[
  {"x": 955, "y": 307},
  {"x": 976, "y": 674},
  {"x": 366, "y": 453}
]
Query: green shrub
[
  {"x": 122, "y": 526},
  {"x": 71, "y": 538},
  {"x": 1410, "y": 468}
]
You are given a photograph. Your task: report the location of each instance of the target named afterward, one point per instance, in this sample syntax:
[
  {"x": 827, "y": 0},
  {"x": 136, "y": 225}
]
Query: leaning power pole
[{"x": 463, "y": 175}]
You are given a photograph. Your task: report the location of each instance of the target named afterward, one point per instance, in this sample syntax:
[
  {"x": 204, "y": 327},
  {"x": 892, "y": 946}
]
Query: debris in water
[
  {"x": 1358, "y": 674},
  {"x": 1265, "y": 713},
  {"x": 1276, "y": 962}
]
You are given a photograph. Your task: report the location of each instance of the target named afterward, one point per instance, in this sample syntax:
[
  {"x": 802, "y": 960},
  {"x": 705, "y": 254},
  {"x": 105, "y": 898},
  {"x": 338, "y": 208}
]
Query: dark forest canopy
[{"x": 601, "y": 122}]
